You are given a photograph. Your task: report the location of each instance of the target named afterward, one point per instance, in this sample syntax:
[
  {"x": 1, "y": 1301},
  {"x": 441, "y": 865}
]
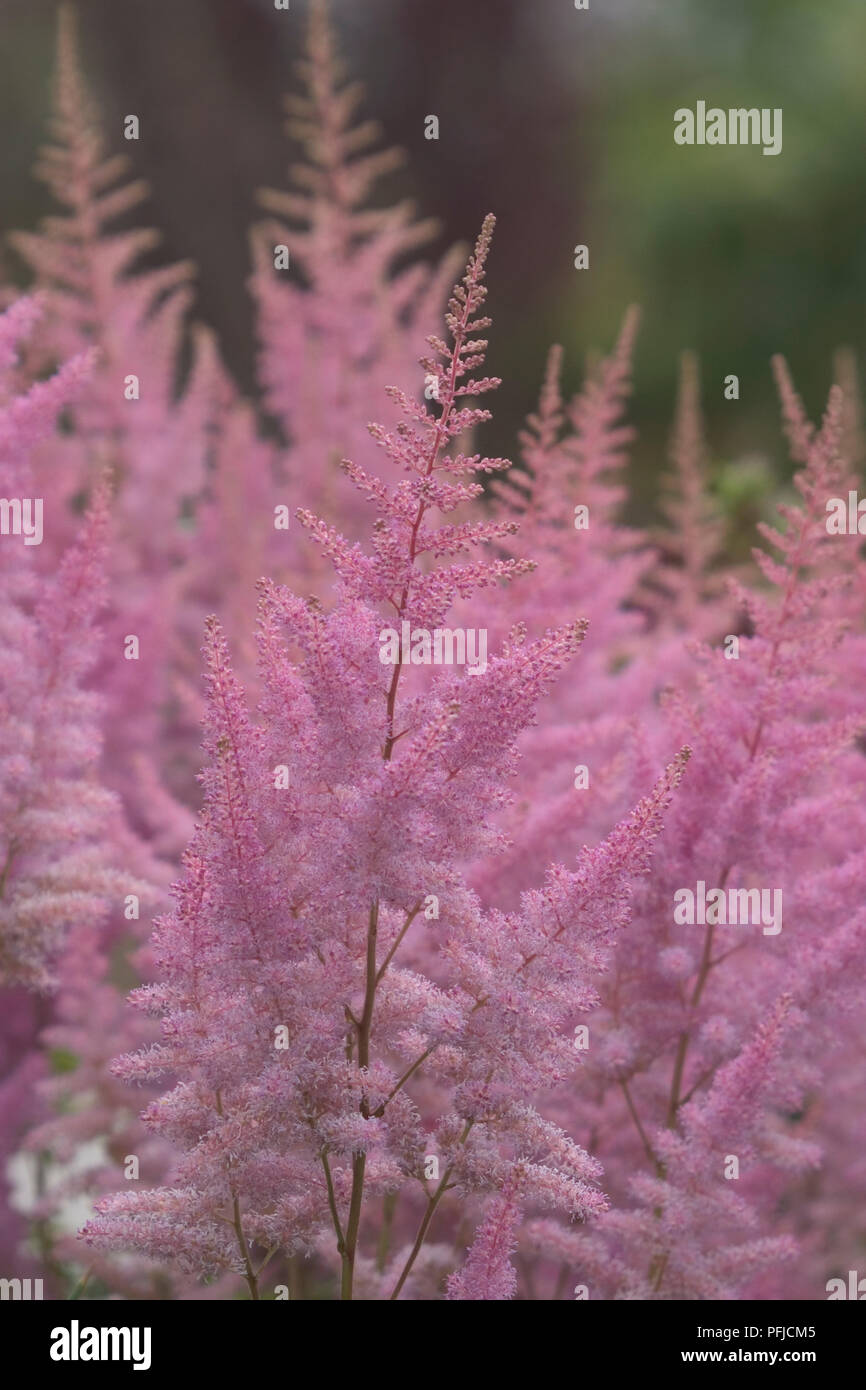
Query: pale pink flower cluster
[{"x": 419, "y": 1019}]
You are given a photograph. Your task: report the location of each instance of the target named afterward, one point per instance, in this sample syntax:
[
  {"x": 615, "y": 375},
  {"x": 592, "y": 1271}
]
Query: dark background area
[{"x": 561, "y": 122}]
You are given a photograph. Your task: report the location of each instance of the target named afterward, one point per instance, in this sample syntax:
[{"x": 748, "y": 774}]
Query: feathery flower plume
[
  {"x": 54, "y": 812},
  {"x": 361, "y": 313},
  {"x": 706, "y": 1064},
  {"x": 131, "y": 420},
  {"x": 292, "y": 1017},
  {"x": 684, "y": 586},
  {"x": 488, "y": 1274}
]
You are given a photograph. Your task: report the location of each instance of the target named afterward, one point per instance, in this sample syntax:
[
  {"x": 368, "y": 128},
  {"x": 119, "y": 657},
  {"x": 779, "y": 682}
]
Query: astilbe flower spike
[
  {"x": 131, "y": 419},
  {"x": 294, "y": 1015},
  {"x": 684, "y": 587},
  {"x": 329, "y": 343},
  {"x": 54, "y": 812},
  {"x": 488, "y": 1274},
  {"x": 93, "y": 299},
  {"x": 572, "y": 461},
  {"x": 709, "y": 1062},
  {"x": 357, "y": 1036}
]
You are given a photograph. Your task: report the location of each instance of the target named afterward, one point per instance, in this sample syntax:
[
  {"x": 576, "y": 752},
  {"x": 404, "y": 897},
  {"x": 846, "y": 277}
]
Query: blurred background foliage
[{"x": 561, "y": 122}]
